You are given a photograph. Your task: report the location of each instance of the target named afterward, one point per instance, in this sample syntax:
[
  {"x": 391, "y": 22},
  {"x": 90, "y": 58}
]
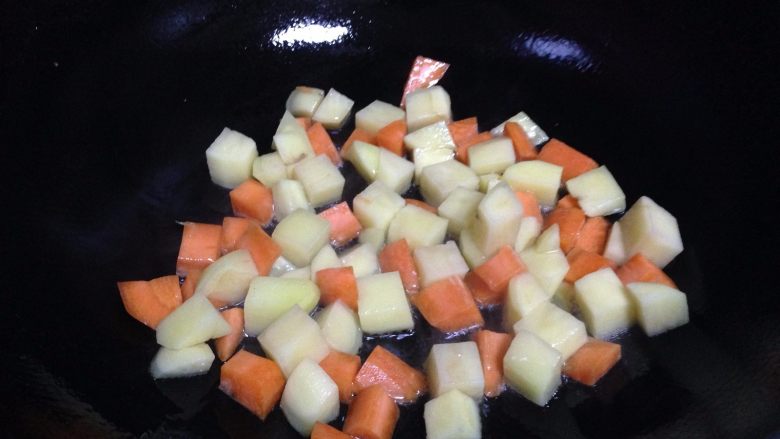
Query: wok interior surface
[{"x": 108, "y": 108}]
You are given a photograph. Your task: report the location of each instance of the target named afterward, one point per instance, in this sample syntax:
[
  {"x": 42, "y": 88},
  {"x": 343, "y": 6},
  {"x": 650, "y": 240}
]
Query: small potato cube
[
  {"x": 452, "y": 415},
  {"x": 292, "y": 146},
  {"x": 365, "y": 158},
  {"x": 455, "y": 366},
  {"x": 227, "y": 279},
  {"x": 529, "y": 230},
  {"x": 460, "y": 209},
  {"x": 303, "y": 101},
  {"x": 270, "y": 297},
  {"x": 333, "y": 110},
  {"x": 309, "y": 396},
  {"x": 362, "y": 258},
  {"x": 487, "y": 181},
  {"x": 468, "y": 248},
  {"x": 433, "y": 136},
  {"x": 540, "y": 178},
  {"x": 185, "y": 362},
  {"x": 550, "y": 240},
  {"x": 604, "y": 303},
  {"x": 523, "y": 295},
  {"x": 533, "y": 367},
  {"x": 289, "y": 196},
  {"x": 439, "y": 262},
  {"x": 382, "y": 304},
  {"x": 564, "y": 297},
  {"x": 597, "y": 192},
  {"x": 378, "y": 115},
  {"x": 269, "y": 169},
  {"x": 377, "y": 205},
  {"x": 546, "y": 261},
  {"x": 325, "y": 258},
  {"x": 560, "y": 329},
  {"x": 193, "y": 322},
  {"x": 418, "y": 226},
  {"x": 614, "y": 248},
  {"x": 438, "y": 180},
  {"x": 425, "y": 157},
  {"x": 394, "y": 171},
  {"x": 374, "y": 237},
  {"x": 230, "y": 157},
  {"x": 321, "y": 179},
  {"x": 426, "y": 106},
  {"x": 650, "y": 229},
  {"x": 291, "y": 338},
  {"x": 659, "y": 307},
  {"x": 530, "y": 127},
  {"x": 498, "y": 220},
  {"x": 301, "y": 235},
  {"x": 288, "y": 124},
  {"x": 281, "y": 266},
  {"x": 491, "y": 156},
  {"x": 340, "y": 327}
]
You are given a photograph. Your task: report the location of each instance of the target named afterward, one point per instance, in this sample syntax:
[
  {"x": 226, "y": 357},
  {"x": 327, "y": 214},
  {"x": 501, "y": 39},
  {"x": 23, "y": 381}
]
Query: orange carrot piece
[
  {"x": 480, "y": 291},
  {"x": 492, "y": 348},
  {"x": 357, "y": 134},
  {"x": 568, "y": 201},
  {"x": 570, "y": 220},
  {"x": 462, "y": 149},
  {"x": 232, "y": 229},
  {"x": 639, "y": 269},
  {"x": 227, "y": 344},
  {"x": 391, "y": 137},
  {"x": 530, "y": 205},
  {"x": 342, "y": 369},
  {"x": 253, "y": 200},
  {"x": 592, "y": 361},
  {"x": 573, "y": 162},
  {"x": 421, "y": 205},
  {"x": 150, "y": 301},
  {"x": 344, "y": 225},
  {"x": 582, "y": 262},
  {"x": 189, "y": 284},
  {"x": 399, "y": 380},
  {"x": 524, "y": 149},
  {"x": 321, "y": 143},
  {"x": 372, "y": 415},
  {"x": 464, "y": 129},
  {"x": 337, "y": 283},
  {"x": 397, "y": 256},
  {"x": 425, "y": 72},
  {"x": 593, "y": 235},
  {"x": 499, "y": 269},
  {"x": 200, "y": 245},
  {"x": 448, "y": 306},
  {"x": 263, "y": 249},
  {"x": 253, "y": 381},
  {"x": 325, "y": 431},
  {"x": 304, "y": 122}
]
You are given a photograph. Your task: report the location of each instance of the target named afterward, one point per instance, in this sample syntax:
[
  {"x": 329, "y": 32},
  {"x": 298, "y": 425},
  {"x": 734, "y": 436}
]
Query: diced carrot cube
[
  {"x": 391, "y": 137},
  {"x": 189, "y": 284},
  {"x": 593, "y": 235},
  {"x": 448, "y": 306},
  {"x": 325, "y": 431},
  {"x": 524, "y": 149},
  {"x": 573, "y": 162},
  {"x": 337, "y": 283},
  {"x": 480, "y": 291},
  {"x": 592, "y": 361},
  {"x": 342, "y": 369},
  {"x": 530, "y": 205},
  {"x": 357, "y": 134},
  {"x": 397, "y": 256},
  {"x": 253, "y": 381},
  {"x": 399, "y": 380},
  {"x": 464, "y": 129},
  {"x": 344, "y": 225},
  {"x": 232, "y": 229},
  {"x": 304, "y": 122},
  {"x": 227, "y": 344},
  {"x": 499, "y": 269},
  {"x": 200, "y": 246},
  {"x": 253, "y": 200},
  {"x": 425, "y": 72},
  {"x": 568, "y": 201},
  {"x": 570, "y": 220},
  {"x": 639, "y": 269},
  {"x": 150, "y": 301},
  {"x": 321, "y": 143},
  {"x": 264, "y": 250},
  {"x": 492, "y": 348},
  {"x": 372, "y": 415},
  {"x": 582, "y": 262}
]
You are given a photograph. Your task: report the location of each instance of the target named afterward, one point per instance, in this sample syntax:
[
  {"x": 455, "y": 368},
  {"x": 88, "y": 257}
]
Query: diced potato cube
[
  {"x": 269, "y": 169},
  {"x": 333, "y": 110},
  {"x": 382, "y": 304},
  {"x": 549, "y": 241},
  {"x": 365, "y": 158},
  {"x": 597, "y": 192},
  {"x": 452, "y": 415},
  {"x": 455, "y": 366},
  {"x": 564, "y": 297},
  {"x": 301, "y": 235},
  {"x": 377, "y": 205},
  {"x": 468, "y": 248},
  {"x": 309, "y": 396},
  {"x": 529, "y": 230},
  {"x": 438, "y": 262},
  {"x": 426, "y": 106},
  {"x": 288, "y": 124},
  {"x": 362, "y": 258},
  {"x": 560, "y": 329},
  {"x": 186, "y": 362},
  {"x": 546, "y": 261},
  {"x": 532, "y": 130},
  {"x": 433, "y": 136},
  {"x": 523, "y": 295},
  {"x": 498, "y": 220},
  {"x": 340, "y": 327},
  {"x": 533, "y": 367},
  {"x": 418, "y": 226},
  {"x": 394, "y": 171},
  {"x": 659, "y": 308},
  {"x": 438, "y": 180},
  {"x": 425, "y": 157},
  {"x": 491, "y": 156},
  {"x": 460, "y": 209},
  {"x": 373, "y": 236},
  {"x": 298, "y": 273},
  {"x": 292, "y": 146},
  {"x": 325, "y": 258},
  {"x": 193, "y": 322},
  {"x": 230, "y": 158},
  {"x": 540, "y": 178},
  {"x": 321, "y": 180},
  {"x": 614, "y": 249},
  {"x": 227, "y": 279},
  {"x": 303, "y": 101},
  {"x": 603, "y": 303},
  {"x": 281, "y": 266},
  {"x": 292, "y": 338},
  {"x": 289, "y": 196},
  {"x": 650, "y": 229},
  {"x": 377, "y": 115},
  {"x": 487, "y": 181},
  {"x": 270, "y": 297}
]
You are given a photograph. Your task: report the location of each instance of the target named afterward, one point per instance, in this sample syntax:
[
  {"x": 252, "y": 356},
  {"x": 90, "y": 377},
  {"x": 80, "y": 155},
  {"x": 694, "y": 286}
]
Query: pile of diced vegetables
[{"x": 489, "y": 231}]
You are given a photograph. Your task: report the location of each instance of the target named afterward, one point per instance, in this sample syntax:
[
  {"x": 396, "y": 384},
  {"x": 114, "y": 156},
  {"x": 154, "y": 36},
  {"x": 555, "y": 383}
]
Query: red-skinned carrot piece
[
  {"x": 337, "y": 283},
  {"x": 150, "y": 301},
  {"x": 253, "y": 200},
  {"x": 344, "y": 225},
  {"x": 582, "y": 262},
  {"x": 397, "y": 256},
  {"x": 448, "y": 306},
  {"x": 499, "y": 269},
  {"x": 263, "y": 249},
  {"x": 342, "y": 369},
  {"x": 253, "y": 381},
  {"x": 425, "y": 72},
  {"x": 357, "y": 134},
  {"x": 321, "y": 143},
  {"x": 421, "y": 205},
  {"x": 480, "y": 291},
  {"x": 227, "y": 344},
  {"x": 568, "y": 201},
  {"x": 530, "y": 205},
  {"x": 399, "y": 380},
  {"x": 325, "y": 431},
  {"x": 372, "y": 415},
  {"x": 200, "y": 246},
  {"x": 593, "y": 235},
  {"x": 573, "y": 162},
  {"x": 304, "y": 122},
  {"x": 570, "y": 220},
  {"x": 524, "y": 149},
  {"x": 391, "y": 137},
  {"x": 189, "y": 284},
  {"x": 462, "y": 149},
  {"x": 232, "y": 229},
  {"x": 492, "y": 348},
  {"x": 592, "y": 361},
  {"x": 464, "y": 129},
  {"x": 639, "y": 269}
]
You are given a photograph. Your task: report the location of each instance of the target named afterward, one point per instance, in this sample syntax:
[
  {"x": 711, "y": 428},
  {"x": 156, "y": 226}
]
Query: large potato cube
[
  {"x": 659, "y": 308},
  {"x": 185, "y": 362},
  {"x": 438, "y": 180},
  {"x": 333, "y": 110},
  {"x": 649, "y": 229},
  {"x": 340, "y": 327},
  {"x": 325, "y": 258},
  {"x": 394, "y": 171},
  {"x": 491, "y": 156},
  {"x": 487, "y": 181},
  {"x": 532, "y": 130},
  {"x": 309, "y": 396},
  {"x": 193, "y": 322},
  {"x": 362, "y": 258},
  {"x": 321, "y": 180},
  {"x": 281, "y": 265},
  {"x": 292, "y": 338},
  {"x": 365, "y": 158},
  {"x": 460, "y": 209},
  {"x": 455, "y": 366},
  {"x": 426, "y": 106},
  {"x": 382, "y": 304},
  {"x": 532, "y": 367},
  {"x": 269, "y": 169},
  {"x": 529, "y": 230},
  {"x": 374, "y": 237},
  {"x": 468, "y": 248},
  {"x": 418, "y": 226},
  {"x": 597, "y": 192},
  {"x": 270, "y": 297},
  {"x": 426, "y": 157},
  {"x": 303, "y": 101},
  {"x": 292, "y": 146},
  {"x": 230, "y": 158},
  {"x": 498, "y": 220},
  {"x": 558, "y": 328},
  {"x": 524, "y": 294},
  {"x": 227, "y": 279},
  {"x": 540, "y": 178},
  {"x": 438, "y": 262},
  {"x": 452, "y": 415},
  {"x": 288, "y": 124},
  {"x": 546, "y": 261},
  {"x": 434, "y": 136},
  {"x": 377, "y": 115},
  {"x": 301, "y": 235},
  {"x": 604, "y": 303},
  {"x": 377, "y": 205},
  {"x": 614, "y": 248},
  {"x": 289, "y": 196},
  {"x": 564, "y": 297}
]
